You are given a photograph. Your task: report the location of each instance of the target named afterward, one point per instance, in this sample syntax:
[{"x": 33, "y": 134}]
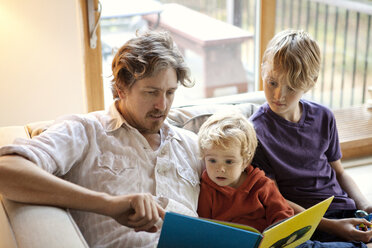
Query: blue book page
[{"x": 184, "y": 231}]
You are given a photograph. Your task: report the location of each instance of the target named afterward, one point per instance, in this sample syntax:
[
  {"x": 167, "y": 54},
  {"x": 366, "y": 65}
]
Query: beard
[{"x": 154, "y": 121}]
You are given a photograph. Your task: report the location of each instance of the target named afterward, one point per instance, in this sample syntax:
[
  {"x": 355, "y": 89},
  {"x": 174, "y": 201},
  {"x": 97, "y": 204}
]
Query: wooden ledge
[{"x": 354, "y": 126}]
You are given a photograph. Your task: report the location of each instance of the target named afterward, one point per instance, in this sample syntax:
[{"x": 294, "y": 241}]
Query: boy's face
[
  {"x": 283, "y": 100},
  {"x": 225, "y": 166},
  {"x": 146, "y": 104}
]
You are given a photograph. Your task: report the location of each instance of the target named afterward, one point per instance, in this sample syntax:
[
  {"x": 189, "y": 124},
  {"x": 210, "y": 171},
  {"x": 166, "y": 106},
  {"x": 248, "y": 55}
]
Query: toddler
[{"x": 231, "y": 189}]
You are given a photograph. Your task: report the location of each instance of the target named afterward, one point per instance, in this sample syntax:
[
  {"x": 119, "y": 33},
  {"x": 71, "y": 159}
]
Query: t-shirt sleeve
[
  {"x": 333, "y": 152},
  {"x": 260, "y": 161}
]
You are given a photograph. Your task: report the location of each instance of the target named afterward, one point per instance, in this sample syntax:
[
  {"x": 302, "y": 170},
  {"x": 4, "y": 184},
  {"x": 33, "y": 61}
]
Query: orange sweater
[{"x": 257, "y": 202}]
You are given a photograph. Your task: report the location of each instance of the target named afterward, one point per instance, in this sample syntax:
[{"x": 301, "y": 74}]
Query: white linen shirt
[{"x": 102, "y": 152}]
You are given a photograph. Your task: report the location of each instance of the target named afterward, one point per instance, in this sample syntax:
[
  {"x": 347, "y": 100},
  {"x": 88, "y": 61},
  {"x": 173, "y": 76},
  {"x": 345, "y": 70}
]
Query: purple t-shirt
[{"x": 297, "y": 155}]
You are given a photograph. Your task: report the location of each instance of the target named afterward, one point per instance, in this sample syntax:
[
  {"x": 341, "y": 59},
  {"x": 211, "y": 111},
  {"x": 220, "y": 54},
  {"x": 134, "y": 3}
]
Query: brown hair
[
  {"x": 144, "y": 56},
  {"x": 296, "y": 55}
]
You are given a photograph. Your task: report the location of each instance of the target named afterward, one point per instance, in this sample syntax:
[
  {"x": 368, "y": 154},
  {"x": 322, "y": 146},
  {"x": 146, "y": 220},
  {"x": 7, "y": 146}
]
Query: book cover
[{"x": 185, "y": 231}]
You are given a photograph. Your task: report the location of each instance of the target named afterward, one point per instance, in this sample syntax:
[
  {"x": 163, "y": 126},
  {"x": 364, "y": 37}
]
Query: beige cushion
[
  {"x": 192, "y": 117},
  {"x": 36, "y": 128},
  {"x": 6, "y": 234},
  {"x": 8, "y": 134},
  {"x": 43, "y": 226}
]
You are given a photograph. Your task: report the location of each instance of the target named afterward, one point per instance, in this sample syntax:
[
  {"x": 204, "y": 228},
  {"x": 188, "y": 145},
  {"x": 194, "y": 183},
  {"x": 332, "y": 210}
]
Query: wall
[{"x": 41, "y": 60}]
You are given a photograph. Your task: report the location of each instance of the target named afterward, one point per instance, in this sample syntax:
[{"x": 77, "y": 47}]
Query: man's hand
[
  {"x": 346, "y": 229},
  {"x": 139, "y": 211}
]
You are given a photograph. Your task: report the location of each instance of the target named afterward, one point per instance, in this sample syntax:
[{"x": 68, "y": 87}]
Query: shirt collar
[{"x": 114, "y": 120}]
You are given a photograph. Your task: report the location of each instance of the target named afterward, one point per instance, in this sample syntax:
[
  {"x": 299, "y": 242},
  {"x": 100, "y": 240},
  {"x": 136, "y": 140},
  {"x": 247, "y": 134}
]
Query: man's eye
[{"x": 170, "y": 93}]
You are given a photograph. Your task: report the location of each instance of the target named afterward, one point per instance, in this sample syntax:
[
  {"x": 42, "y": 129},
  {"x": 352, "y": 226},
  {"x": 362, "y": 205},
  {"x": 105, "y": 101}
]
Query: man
[{"x": 123, "y": 168}]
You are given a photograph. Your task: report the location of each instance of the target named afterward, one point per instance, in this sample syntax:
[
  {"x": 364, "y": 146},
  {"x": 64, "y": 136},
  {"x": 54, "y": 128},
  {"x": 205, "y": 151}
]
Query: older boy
[
  {"x": 298, "y": 140},
  {"x": 122, "y": 168}
]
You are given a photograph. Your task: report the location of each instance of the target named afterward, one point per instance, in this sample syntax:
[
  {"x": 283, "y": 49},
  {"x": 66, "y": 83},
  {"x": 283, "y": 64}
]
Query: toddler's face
[
  {"x": 225, "y": 166},
  {"x": 282, "y": 99}
]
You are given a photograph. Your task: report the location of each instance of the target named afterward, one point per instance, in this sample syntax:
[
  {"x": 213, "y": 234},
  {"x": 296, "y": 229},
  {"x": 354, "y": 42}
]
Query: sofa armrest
[
  {"x": 6, "y": 234},
  {"x": 8, "y": 134},
  {"x": 42, "y": 226},
  {"x": 36, "y": 226}
]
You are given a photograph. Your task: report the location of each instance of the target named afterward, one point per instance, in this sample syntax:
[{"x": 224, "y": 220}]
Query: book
[{"x": 185, "y": 231}]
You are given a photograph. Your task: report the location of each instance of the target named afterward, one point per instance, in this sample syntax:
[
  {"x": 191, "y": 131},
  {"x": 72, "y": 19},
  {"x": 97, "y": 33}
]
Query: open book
[{"x": 185, "y": 231}]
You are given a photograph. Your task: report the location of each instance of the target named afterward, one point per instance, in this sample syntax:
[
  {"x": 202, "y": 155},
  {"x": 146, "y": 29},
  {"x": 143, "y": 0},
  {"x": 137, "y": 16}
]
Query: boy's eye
[{"x": 272, "y": 83}]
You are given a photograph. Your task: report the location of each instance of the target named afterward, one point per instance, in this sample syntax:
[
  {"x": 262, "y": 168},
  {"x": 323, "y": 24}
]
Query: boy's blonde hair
[
  {"x": 295, "y": 55},
  {"x": 224, "y": 128}
]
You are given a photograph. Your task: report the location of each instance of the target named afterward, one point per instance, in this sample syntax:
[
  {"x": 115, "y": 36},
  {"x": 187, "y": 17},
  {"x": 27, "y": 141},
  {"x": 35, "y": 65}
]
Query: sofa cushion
[
  {"x": 43, "y": 226},
  {"x": 36, "y": 128},
  {"x": 8, "y": 134},
  {"x": 6, "y": 234},
  {"x": 192, "y": 117}
]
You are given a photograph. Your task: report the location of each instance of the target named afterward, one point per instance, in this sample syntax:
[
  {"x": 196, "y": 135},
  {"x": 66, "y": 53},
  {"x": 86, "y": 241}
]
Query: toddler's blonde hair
[{"x": 224, "y": 128}]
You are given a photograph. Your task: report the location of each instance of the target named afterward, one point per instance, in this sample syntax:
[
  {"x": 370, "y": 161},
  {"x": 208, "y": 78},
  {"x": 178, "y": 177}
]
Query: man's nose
[{"x": 161, "y": 102}]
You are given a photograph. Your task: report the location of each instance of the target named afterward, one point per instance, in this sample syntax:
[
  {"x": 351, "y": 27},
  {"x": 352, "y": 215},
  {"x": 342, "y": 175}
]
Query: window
[{"x": 217, "y": 40}]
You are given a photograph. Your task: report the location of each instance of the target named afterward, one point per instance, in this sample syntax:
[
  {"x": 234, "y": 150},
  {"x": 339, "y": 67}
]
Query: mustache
[{"x": 156, "y": 112}]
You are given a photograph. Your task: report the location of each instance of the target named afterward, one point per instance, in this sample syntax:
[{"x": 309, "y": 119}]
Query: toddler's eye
[
  {"x": 229, "y": 161},
  {"x": 212, "y": 160}
]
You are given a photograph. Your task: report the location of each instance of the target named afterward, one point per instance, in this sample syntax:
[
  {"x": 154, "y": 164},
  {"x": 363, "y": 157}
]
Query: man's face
[{"x": 146, "y": 105}]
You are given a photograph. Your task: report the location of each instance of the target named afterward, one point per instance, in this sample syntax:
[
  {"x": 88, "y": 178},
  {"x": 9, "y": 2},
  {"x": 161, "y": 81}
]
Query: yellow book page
[{"x": 297, "y": 229}]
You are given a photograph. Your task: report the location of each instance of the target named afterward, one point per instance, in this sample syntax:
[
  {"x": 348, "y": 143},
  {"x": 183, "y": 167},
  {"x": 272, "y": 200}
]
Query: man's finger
[
  {"x": 139, "y": 211},
  {"x": 154, "y": 209},
  {"x": 153, "y": 229},
  {"x": 161, "y": 211},
  {"x": 146, "y": 226}
]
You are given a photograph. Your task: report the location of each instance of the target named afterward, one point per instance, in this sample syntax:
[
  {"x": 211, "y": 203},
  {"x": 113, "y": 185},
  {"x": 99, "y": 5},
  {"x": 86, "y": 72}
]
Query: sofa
[{"x": 25, "y": 225}]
